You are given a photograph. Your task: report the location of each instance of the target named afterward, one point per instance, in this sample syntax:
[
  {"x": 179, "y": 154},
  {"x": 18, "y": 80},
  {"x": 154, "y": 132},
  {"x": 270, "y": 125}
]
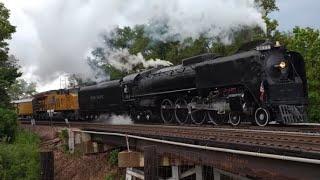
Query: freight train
[{"x": 260, "y": 83}]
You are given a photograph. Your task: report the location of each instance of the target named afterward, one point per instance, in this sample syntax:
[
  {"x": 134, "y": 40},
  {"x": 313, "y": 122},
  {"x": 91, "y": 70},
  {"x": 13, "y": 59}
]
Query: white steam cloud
[
  {"x": 54, "y": 36},
  {"x": 114, "y": 119},
  {"x": 122, "y": 60}
]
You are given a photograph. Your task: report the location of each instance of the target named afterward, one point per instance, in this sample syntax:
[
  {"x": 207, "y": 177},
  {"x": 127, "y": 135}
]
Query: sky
[
  {"x": 54, "y": 37},
  {"x": 304, "y": 13}
]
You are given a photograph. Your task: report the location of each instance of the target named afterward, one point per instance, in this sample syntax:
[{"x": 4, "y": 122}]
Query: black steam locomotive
[{"x": 262, "y": 82}]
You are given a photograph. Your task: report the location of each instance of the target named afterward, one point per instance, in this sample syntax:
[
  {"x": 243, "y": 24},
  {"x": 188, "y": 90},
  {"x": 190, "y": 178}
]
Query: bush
[
  {"x": 314, "y": 103},
  {"x": 113, "y": 157},
  {"x": 110, "y": 177},
  {"x": 20, "y": 160},
  {"x": 8, "y": 125},
  {"x": 64, "y": 136}
]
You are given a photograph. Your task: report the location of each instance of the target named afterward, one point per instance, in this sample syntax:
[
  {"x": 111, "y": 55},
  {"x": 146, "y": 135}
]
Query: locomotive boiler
[{"x": 260, "y": 83}]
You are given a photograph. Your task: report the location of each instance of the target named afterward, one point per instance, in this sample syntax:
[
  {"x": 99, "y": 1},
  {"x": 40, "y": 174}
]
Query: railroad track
[
  {"x": 299, "y": 128},
  {"x": 304, "y": 142}
]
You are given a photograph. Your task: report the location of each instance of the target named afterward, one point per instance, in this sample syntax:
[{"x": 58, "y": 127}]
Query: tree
[
  {"x": 267, "y": 6},
  {"x": 8, "y": 69},
  {"x": 272, "y": 25},
  {"x": 8, "y": 74},
  {"x": 22, "y": 89}
]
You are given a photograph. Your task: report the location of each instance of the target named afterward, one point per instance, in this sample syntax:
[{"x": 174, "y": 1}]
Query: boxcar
[{"x": 23, "y": 108}]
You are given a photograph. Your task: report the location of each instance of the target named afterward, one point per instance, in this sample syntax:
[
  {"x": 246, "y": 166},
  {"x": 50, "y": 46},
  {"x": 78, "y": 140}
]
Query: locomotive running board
[{"x": 291, "y": 114}]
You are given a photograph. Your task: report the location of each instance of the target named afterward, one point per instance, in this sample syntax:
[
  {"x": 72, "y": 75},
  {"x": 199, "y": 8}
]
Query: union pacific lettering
[{"x": 98, "y": 97}]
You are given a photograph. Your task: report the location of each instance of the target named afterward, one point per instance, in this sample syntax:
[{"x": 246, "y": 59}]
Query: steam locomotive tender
[
  {"x": 262, "y": 82},
  {"x": 104, "y": 98}
]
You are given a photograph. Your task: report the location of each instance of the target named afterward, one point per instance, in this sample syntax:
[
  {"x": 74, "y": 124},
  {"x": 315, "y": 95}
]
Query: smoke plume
[
  {"x": 54, "y": 36},
  {"x": 122, "y": 60}
]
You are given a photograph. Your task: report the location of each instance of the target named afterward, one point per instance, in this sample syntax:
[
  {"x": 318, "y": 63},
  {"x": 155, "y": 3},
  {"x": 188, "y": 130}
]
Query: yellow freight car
[
  {"x": 23, "y": 108},
  {"x": 63, "y": 103}
]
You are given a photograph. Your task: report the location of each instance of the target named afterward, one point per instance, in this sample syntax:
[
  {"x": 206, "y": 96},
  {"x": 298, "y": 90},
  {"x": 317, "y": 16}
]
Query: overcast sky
[{"x": 305, "y": 13}]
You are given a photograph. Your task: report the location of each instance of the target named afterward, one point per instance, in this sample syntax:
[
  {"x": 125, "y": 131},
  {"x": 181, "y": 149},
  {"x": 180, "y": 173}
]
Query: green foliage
[
  {"x": 113, "y": 157},
  {"x": 8, "y": 125},
  {"x": 110, "y": 177},
  {"x": 64, "y": 136},
  {"x": 8, "y": 68},
  {"x": 272, "y": 25},
  {"x": 22, "y": 89},
  {"x": 267, "y": 5},
  {"x": 19, "y": 157},
  {"x": 20, "y": 160},
  {"x": 113, "y": 176}
]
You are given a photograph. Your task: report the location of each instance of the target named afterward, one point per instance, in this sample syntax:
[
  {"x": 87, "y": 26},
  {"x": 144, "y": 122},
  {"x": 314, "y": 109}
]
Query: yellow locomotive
[
  {"x": 63, "y": 103},
  {"x": 23, "y": 108}
]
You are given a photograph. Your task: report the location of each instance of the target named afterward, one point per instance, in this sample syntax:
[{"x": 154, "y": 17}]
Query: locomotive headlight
[{"x": 282, "y": 64}]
